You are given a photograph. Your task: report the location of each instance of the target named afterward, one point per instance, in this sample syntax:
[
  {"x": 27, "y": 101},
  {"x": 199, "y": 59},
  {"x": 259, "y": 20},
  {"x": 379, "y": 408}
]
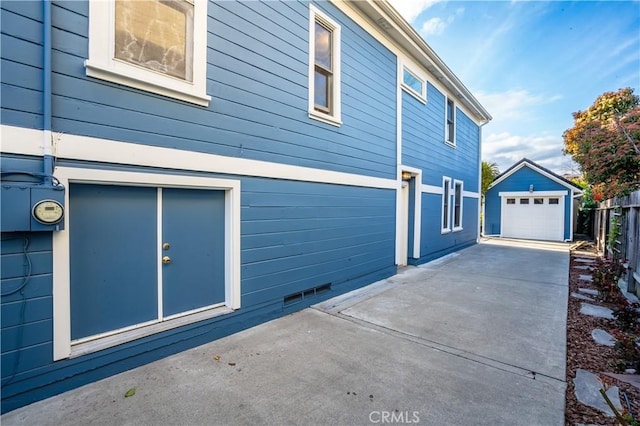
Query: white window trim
[
  {"x": 446, "y": 182},
  {"x": 336, "y": 117},
  {"x": 422, "y": 97},
  {"x": 453, "y": 221},
  {"x": 446, "y": 125},
  {"x": 103, "y": 65},
  {"x": 63, "y": 347}
]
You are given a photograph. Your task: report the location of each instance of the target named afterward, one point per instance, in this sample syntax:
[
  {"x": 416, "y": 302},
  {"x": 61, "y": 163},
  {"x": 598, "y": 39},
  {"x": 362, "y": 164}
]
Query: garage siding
[{"x": 521, "y": 180}]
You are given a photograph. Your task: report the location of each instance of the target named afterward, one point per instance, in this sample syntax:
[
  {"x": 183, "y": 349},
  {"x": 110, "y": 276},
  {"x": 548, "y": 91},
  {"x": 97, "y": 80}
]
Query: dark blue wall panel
[
  {"x": 113, "y": 247},
  {"x": 520, "y": 181}
]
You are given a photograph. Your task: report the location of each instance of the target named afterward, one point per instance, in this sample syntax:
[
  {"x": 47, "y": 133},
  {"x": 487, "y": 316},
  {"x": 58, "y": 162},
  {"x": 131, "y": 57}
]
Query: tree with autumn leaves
[{"x": 605, "y": 142}]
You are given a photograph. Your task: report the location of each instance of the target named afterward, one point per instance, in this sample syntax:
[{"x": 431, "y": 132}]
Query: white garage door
[{"x": 536, "y": 218}]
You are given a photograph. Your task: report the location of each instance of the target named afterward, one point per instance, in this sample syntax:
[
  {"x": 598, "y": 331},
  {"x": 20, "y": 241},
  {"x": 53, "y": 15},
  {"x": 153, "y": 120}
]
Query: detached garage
[{"x": 531, "y": 202}]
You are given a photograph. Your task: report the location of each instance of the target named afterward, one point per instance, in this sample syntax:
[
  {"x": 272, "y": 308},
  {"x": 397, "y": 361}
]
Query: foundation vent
[{"x": 300, "y": 296}]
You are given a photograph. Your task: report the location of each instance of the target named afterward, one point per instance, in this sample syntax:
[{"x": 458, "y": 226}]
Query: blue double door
[{"x": 140, "y": 255}]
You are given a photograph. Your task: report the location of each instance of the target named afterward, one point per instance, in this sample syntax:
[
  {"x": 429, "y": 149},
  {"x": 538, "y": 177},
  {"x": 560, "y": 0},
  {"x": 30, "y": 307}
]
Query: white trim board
[
  {"x": 62, "y": 344},
  {"x": 437, "y": 190},
  {"x": 17, "y": 140},
  {"x": 533, "y": 194}
]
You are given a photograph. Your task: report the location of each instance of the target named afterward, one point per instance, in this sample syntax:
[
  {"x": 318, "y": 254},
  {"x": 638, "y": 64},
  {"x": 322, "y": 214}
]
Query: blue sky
[{"x": 532, "y": 64}]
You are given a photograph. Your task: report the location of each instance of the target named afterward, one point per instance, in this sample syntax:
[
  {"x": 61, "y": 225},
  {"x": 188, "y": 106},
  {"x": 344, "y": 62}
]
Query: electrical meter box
[{"x": 29, "y": 208}]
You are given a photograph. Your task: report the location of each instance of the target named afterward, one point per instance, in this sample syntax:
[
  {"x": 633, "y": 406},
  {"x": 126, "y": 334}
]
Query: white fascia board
[
  {"x": 360, "y": 11},
  {"x": 537, "y": 169},
  {"x": 533, "y": 194}
]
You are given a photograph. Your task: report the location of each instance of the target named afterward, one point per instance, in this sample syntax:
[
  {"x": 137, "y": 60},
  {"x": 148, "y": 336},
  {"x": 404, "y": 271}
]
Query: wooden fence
[{"x": 617, "y": 234}]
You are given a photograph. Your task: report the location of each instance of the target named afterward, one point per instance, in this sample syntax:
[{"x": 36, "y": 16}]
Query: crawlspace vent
[{"x": 299, "y": 297}]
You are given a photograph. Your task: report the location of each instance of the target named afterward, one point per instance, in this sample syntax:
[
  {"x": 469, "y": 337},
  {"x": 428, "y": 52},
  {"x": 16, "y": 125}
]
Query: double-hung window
[
  {"x": 446, "y": 204},
  {"x": 155, "y": 45},
  {"x": 457, "y": 205},
  {"x": 324, "y": 68},
  {"x": 450, "y": 122}
]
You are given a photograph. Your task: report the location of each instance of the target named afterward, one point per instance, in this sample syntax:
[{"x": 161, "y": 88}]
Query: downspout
[
  {"x": 48, "y": 160},
  {"x": 481, "y": 224}
]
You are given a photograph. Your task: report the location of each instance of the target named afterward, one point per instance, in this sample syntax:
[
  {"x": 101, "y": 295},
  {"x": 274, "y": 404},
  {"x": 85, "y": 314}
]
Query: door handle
[{"x": 166, "y": 260}]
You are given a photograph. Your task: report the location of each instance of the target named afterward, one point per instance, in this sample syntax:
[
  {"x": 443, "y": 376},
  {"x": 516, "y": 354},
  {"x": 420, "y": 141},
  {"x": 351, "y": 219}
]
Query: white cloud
[
  {"x": 505, "y": 149},
  {"x": 411, "y": 9},
  {"x": 433, "y": 26},
  {"x": 436, "y": 26},
  {"x": 513, "y": 104}
]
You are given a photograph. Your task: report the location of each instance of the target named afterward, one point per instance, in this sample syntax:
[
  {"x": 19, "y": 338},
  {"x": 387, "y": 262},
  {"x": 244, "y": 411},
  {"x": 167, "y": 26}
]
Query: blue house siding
[
  {"x": 520, "y": 180},
  {"x": 257, "y": 77},
  {"x": 424, "y": 148},
  {"x": 21, "y": 66},
  {"x": 300, "y": 229},
  {"x": 434, "y": 244},
  {"x": 423, "y": 141}
]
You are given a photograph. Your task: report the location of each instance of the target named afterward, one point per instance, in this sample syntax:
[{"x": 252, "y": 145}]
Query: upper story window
[
  {"x": 450, "y": 122},
  {"x": 446, "y": 204},
  {"x": 324, "y": 68},
  {"x": 155, "y": 45},
  {"x": 457, "y": 205},
  {"x": 414, "y": 85}
]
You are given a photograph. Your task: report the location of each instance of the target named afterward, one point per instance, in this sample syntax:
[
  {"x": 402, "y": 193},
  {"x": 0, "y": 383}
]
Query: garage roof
[{"x": 525, "y": 162}]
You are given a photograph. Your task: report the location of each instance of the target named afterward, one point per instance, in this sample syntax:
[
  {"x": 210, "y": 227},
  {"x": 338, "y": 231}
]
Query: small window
[
  {"x": 538, "y": 201},
  {"x": 511, "y": 200},
  {"x": 154, "y": 45},
  {"x": 450, "y": 125},
  {"x": 414, "y": 85},
  {"x": 554, "y": 200},
  {"x": 324, "y": 68},
  {"x": 156, "y": 35},
  {"x": 446, "y": 204},
  {"x": 524, "y": 201},
  {"x": 457, "y": 205}
]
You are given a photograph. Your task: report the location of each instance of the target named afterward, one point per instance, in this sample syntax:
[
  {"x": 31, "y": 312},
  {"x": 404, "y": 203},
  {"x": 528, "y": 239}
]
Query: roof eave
[{"x": 404, "y": 35}]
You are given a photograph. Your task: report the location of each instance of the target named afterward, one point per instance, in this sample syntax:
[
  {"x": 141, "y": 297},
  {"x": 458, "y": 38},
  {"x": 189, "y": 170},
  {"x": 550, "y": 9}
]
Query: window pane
[
  {"x": 511, "y": 200},
  {"x": 524, "y": 201},
  {"x": 538, "y": 201},
  {"x": 554, "y": 200},
  {"x": 411, "y": 81},
  {"x": 457, "y": 208},
  {"x": 321, "y": 91},
  {"x": 450, "y": 121},
  {"x": 323, "y": 46},
  {"x": 156, "y": 35},
  {"x": 445, "y": 206}
]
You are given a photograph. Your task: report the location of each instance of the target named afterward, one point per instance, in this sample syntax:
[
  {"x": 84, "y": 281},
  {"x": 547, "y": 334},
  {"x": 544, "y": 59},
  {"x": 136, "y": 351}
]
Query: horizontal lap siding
[
  {"x": 21, "y": 65},
  {"x": 26, "y": 304},
  {"x": 297, "y": 236},
  {"x": 257, "y": 76},
  {"x": 520, "y": 181},
  {"x": 423, "y": 147},
  {"x": 423, "y": 141},
  {"x": 435, "y": 244},
  {"x": 294, "y": 236}
]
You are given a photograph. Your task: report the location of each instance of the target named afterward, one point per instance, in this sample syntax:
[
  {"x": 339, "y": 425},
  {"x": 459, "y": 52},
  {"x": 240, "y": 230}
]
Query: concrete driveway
[{"x": 475, "y": 338}]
